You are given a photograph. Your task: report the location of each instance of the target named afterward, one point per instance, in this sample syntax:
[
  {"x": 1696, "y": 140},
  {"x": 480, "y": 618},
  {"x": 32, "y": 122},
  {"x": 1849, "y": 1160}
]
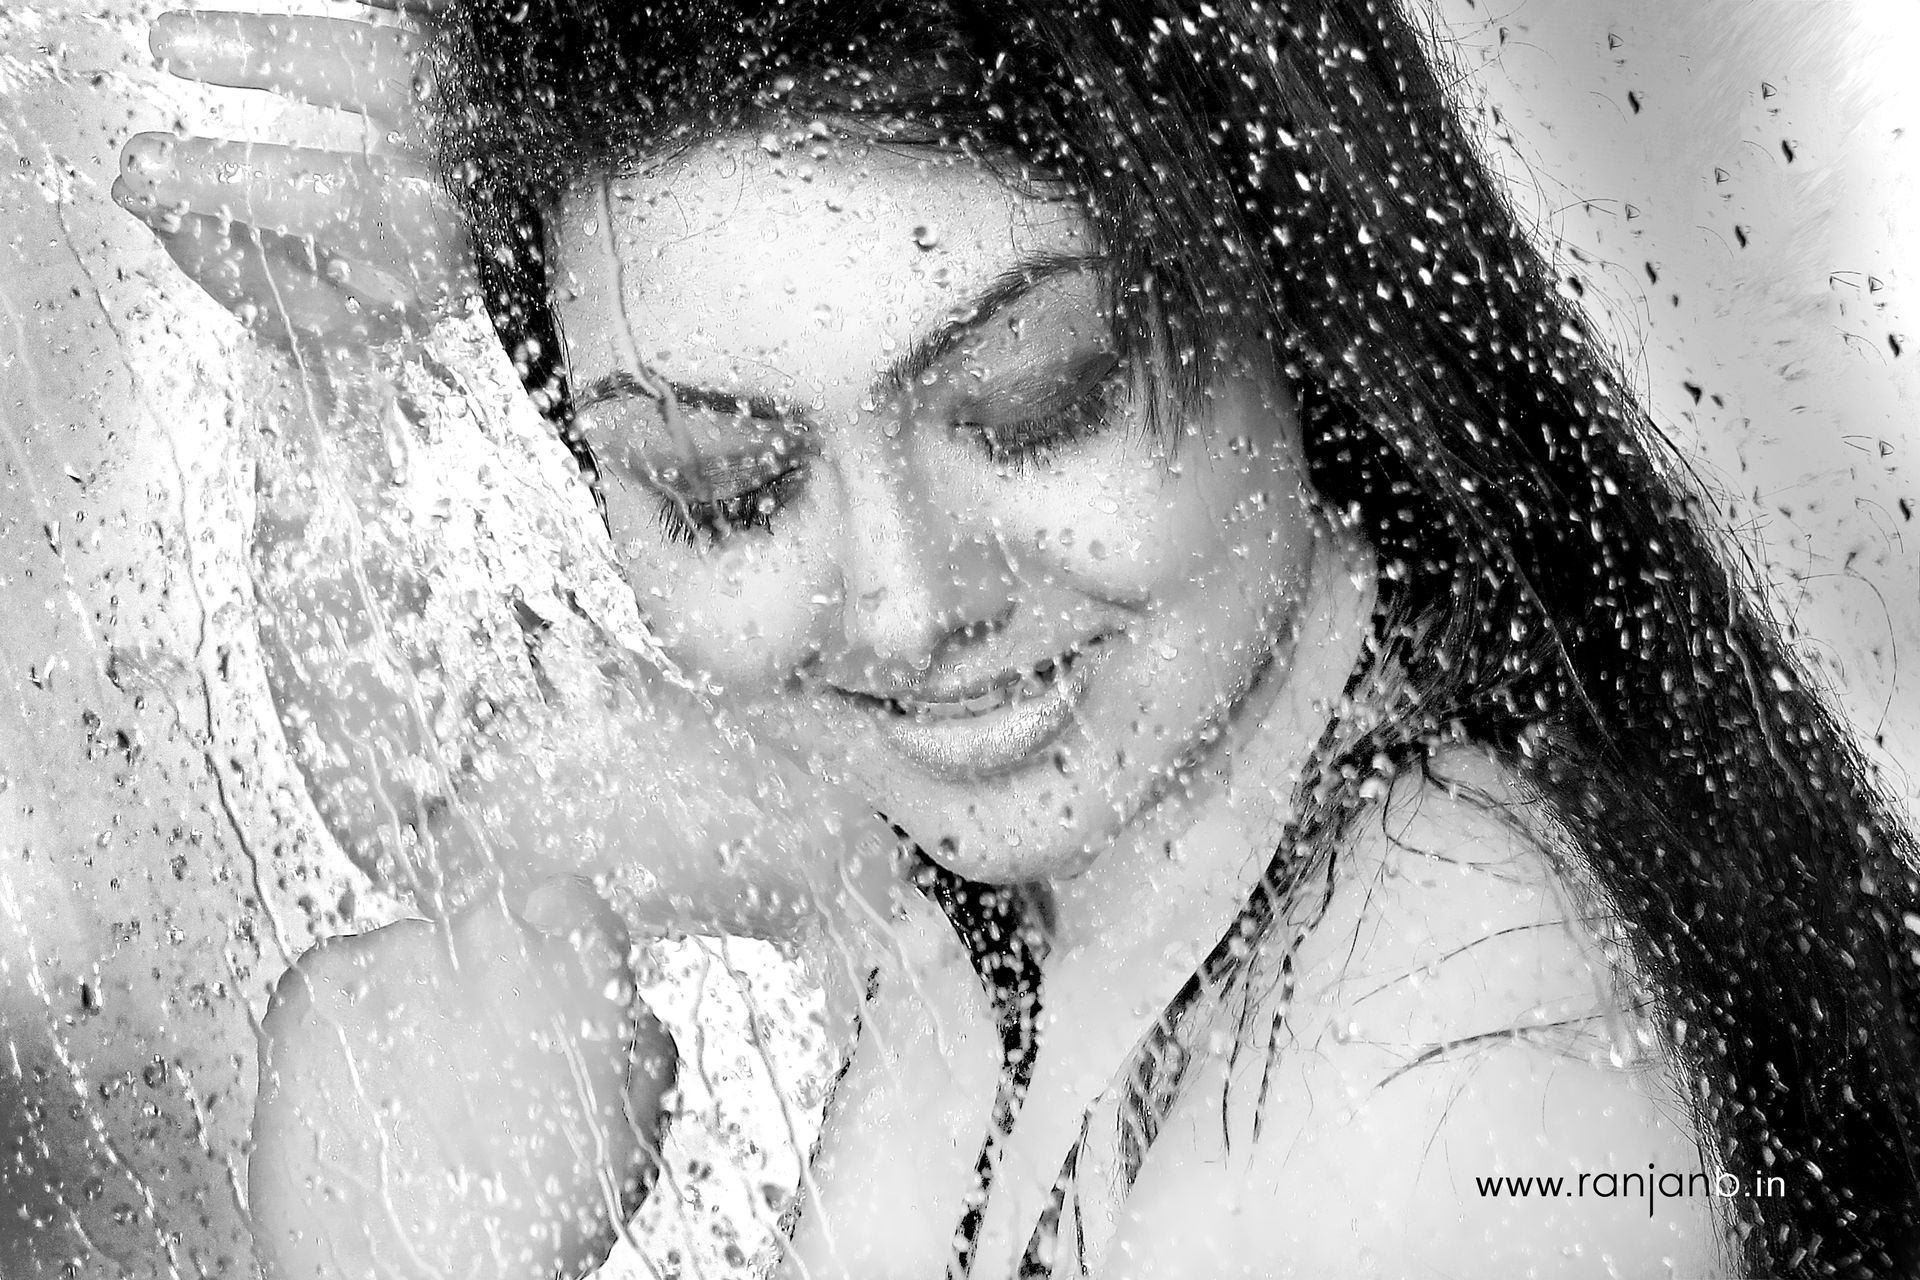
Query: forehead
[{"x": 789, "y": 263}]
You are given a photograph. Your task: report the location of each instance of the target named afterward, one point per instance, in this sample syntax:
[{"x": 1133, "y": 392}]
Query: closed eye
[
  {"x": 740, "y": 465},
  {"x": 710, "y": 518},
  {"x": 1020, "y": 432}
]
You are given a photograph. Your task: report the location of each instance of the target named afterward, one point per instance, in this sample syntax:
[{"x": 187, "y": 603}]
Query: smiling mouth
[
  {"x": 990, "y": 727},
  {"x": 1004, "y": 690}
]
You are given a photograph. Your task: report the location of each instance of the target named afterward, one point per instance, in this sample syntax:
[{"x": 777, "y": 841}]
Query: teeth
[{"x": 1029, "y": 684}]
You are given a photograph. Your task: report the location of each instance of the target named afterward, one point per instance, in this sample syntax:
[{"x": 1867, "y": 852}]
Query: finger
[
  {"x": 568, "y": 909},
  {"x": 258, "y": 277},
  {"x": 387, "y": 218},
  {"x": 418, "y": 8},
  {"x": 329, "y": 62},
  {"x": 270, "y": 283},
  {"x": 566, "y": 955}
]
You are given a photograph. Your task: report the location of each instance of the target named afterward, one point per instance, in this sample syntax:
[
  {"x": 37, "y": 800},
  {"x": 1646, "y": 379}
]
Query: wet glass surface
[{"x": 1100, "y": 631}]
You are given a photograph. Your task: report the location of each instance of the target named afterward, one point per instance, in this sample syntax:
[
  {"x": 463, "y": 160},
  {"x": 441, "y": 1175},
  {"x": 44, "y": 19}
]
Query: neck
[
  {"x": 1136, "y": 925},
  {"x": 1189, "y": 861}
]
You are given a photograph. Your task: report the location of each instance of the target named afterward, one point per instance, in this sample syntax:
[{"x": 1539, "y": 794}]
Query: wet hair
[{"x": 1551, "y": 586}]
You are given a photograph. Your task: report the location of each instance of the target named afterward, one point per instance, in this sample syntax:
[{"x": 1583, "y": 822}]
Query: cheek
[
  {"x": 1121, "y": 525},
  {"x": 744, "y": 617}
]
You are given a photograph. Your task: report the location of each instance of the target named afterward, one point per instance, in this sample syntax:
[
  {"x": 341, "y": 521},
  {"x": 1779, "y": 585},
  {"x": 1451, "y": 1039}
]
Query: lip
[{"x": 991, "y": 726}]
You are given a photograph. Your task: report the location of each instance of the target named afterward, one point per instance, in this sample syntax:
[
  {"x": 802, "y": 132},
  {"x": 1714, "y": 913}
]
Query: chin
[
  {"x": 1013, "y": 865},
  {"x": 1010, "y": 839}
]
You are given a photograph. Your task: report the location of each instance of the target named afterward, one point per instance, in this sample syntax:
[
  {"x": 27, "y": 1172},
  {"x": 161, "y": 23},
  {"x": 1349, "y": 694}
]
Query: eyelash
[
  {"x": 1041, "y": 440},
  {"x": 687, "y": 523}
]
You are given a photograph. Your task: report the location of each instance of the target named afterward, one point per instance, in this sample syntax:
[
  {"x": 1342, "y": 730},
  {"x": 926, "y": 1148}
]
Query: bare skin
[
  {"x": 913, "y": 1109},
  {"x": 496, "y": 1052},
  {"x": 538, "y": 1136}
]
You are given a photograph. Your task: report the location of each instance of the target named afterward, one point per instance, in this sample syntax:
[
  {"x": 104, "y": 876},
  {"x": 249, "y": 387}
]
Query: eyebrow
[
  {"x": 623, "y": 385},
  {"x": 1016, "y": 282}
]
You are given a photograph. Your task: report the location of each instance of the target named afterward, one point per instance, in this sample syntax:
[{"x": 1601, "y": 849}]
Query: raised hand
[
  {"x": 439, "y": 615},
  {"x": 468, "y": 689},
  {"x": 302, "y": 242},
  {"x": 457, "y": 660}
]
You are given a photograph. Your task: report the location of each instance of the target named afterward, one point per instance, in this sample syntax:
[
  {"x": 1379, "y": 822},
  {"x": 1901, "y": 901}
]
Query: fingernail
[
  {"x": 562, "y": 905},
  {"x": 147, "y": 155},
  {"x": 186, "y": 38},
  {"x": 166, "y": 34}
]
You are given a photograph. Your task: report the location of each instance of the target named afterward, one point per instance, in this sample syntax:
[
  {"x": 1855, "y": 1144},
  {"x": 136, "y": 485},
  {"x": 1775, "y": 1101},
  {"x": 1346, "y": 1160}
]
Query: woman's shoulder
[
  {"x": 1460, "y": 801},
  {"x": 1441, "y": 1005}
]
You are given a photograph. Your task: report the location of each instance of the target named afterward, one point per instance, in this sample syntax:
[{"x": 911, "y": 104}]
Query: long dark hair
[{"x": 1550, "y": 585}]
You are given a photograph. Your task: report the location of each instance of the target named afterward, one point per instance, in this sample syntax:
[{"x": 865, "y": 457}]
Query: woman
[{"x": 1133, "y": 448}]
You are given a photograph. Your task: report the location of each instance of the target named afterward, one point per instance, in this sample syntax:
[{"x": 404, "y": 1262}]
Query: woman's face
[{"x": 908, "y": 516}]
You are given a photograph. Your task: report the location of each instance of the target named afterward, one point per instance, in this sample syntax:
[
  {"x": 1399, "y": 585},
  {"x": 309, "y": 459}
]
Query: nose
[{"x": 916, "y": 580}]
